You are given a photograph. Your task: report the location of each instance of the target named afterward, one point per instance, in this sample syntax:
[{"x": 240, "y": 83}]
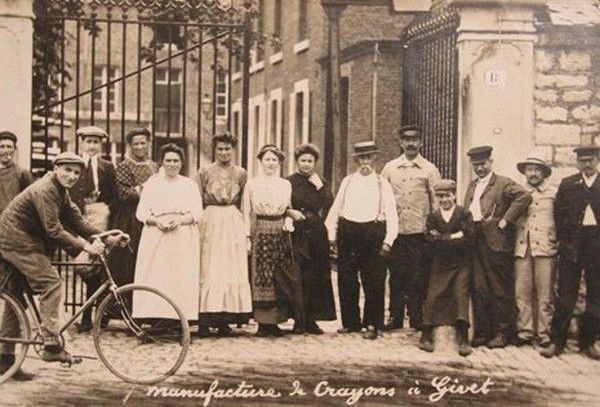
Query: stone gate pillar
[
  {"x": 16, "y": 63},
  {"x": 495, "y": 51}
]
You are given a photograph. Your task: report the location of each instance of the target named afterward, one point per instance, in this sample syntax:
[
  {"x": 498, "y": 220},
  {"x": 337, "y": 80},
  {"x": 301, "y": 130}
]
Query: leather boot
[
  {"x": 462, "y": 333},
  {"x": 426, "y": 341}
]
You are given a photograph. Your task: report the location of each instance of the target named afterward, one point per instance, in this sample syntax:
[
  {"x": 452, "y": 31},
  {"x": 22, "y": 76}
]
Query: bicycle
[{"x": 126, "y": 343}]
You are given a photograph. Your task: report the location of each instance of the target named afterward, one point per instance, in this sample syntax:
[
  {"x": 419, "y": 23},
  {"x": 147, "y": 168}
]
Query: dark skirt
[
  {"x": 448, "y": 294},
  {"x": 275, "y": 277},
  {"x": 122, "y": 260},
  {"x": 311, "y": 248}
]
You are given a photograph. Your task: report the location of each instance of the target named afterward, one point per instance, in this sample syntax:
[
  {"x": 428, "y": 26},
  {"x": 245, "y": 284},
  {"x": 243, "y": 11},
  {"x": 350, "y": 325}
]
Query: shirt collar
[
  {"x": 403, "y": 161},
  {"x": 486, "y": 179},
  {"x": 589, "y": 180},
  {"x": 86, "y": 158},
  {"x": 449, "y": 211},
  {"x": 541, "y": 188}
]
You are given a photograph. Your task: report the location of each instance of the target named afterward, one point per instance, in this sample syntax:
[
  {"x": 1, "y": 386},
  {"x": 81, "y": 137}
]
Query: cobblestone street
[{"x": 518, "y": 375}]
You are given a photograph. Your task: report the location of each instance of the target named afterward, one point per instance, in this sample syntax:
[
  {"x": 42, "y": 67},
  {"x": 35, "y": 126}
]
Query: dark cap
[
  {"x": 7, "y": 135},
  {"x": 92, "y": 131},
  {"x": 68, "y": 158},
  {"x": 480, "y": 153},
  {"x": 587, "y": 151},
  {"x": 364, "y": 148},
  {"x": 410, "y": 130},
  {"x": 445, "y": 185}
]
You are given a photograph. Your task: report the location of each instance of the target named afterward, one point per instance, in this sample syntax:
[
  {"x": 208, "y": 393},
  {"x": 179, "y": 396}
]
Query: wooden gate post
[{"x": 16, "y": 60}]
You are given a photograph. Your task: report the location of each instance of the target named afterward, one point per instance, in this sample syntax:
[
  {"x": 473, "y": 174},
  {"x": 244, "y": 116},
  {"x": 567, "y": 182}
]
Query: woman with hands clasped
[
  {"x": 268, "y": 217},
  {"x": 169, "y": 252}
]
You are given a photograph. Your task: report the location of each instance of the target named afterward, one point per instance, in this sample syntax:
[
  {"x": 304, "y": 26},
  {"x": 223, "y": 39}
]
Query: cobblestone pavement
[{"x": 393, "y": 363}]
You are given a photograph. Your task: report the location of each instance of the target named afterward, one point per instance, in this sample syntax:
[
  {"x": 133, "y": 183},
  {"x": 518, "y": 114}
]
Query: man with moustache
[
  {"x": 412, "y": 178},
  {"x": 30, "y": 227},
  {"x": 94, "y": 193},
  {"x": 364, "y": 223},
  {"x": 496, "y": 203},
  {"x": 577, "y": 212},
  {"x": 13, "y": 179},
  {"x": 535, "y": 254}
]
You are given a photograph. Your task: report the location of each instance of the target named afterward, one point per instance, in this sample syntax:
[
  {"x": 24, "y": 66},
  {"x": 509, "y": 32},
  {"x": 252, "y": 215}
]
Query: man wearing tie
[
  {"x": 94, "y": 194},
  {"x": 496, "y": 203},
  {"x": 577, "y": 213}
]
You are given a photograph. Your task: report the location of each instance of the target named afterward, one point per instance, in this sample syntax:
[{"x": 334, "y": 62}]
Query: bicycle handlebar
[{"x": 112, "y": 232}]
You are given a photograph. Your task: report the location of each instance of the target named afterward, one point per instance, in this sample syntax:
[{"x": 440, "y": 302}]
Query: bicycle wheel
[
  {"x": 15, "y": 333},
  {"x": 142, "y": 349}
]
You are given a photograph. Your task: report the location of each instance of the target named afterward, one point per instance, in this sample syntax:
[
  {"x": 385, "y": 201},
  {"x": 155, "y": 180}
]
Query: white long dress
[{"x": 169, "y": 261}]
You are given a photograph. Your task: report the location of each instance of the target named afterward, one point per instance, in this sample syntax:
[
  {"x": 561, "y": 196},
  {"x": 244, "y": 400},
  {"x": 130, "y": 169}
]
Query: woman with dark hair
[
  {"x": 169, "y": 252},
  {"x": 275, "y": 278},
  {"x": 131, "y": 174},
  {"x": 224, "y": 287},
  {"x": 312, "y": 197}
]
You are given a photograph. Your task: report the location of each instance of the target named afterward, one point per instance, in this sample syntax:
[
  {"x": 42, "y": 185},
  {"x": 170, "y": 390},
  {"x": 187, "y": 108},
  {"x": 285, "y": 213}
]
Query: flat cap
[
  {"x": 445, "y": 185},
  {"x": 92, "y": 131},
  {"x": 7, "y": 135},
  {"x": 68, "y": 158},
  {"x": 480, "y": 153},
  {"x": 587, "y": 151},
  {"x": 364, "y": 148},
  {"x": 410, "y": 130}
]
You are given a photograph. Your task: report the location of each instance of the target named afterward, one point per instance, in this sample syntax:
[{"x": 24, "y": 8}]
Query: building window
[
  {"x": 168, "y": 112},
  {"x": 302, "y": 20},
  {"x": 299, "y": 117},
  {"x": 221, "y": 95},
  {"x": 102, "y": 74},
  {"x": 273, "y": 122},
  {"x": 277, "y": 27}
]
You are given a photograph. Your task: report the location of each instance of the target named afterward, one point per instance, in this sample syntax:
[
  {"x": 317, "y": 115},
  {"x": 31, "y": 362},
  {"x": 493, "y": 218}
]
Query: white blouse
[{"x": 265, "y": 195}]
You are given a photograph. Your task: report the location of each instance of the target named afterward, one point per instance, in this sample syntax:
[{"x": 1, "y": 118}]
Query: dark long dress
[
  {"x": 448, "y": 294},
  {"x": 129, "y": 175},
  {"x": 311, "y": 247}
]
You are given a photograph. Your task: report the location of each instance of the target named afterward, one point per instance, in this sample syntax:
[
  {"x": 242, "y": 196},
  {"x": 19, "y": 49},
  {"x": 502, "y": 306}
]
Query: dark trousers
[
  {"x": 493, "y": 290},
  {"x": 408, "y": 267},
  {"x": 358, "y": 252},
  {"x": 569, "y": 276}
]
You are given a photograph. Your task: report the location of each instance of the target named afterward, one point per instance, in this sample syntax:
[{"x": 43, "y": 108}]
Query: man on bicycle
[{"x": 30, "y": 227}]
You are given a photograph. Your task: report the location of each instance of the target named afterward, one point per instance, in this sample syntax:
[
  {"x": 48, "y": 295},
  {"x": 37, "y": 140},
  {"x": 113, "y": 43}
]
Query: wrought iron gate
[
  {"x": 163, "y": 64},
  {"x": 430, "y": 86}
]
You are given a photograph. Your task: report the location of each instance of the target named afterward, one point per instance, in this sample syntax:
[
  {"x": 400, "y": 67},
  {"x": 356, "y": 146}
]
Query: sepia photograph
[{"x": 299, "y": 202}]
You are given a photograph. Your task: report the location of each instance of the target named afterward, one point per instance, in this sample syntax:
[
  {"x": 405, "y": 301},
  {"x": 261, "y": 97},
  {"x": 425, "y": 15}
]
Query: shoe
[
  {"x": 499, "y": 341},
  {"x": 393, "y": 324},
  {"x": 462, "y": 333},
  {"x": 552, "y": 350},
  {"x": 348, "y": 330},
  {"x": 298, "y": 329},
  {"x": 417, "y": 326},
  {"x": 371, "y": 333},
  {"x": 263, "y": 331},
  {"x": 50, "y": 354},
  {"x": 225, "y": 330},
  {"x": 591, "y": 352},
  {"x": 426, "y": 341},
  {"x": 6, "y": 362},
  {"x": 519, "y": 341},
  {"x": 479, "y": 341},
  {"x": 84, "y": 327},
  {"x": 464, "y": 349},
  {"x": 545, "y": 342},
  {"x": 203, "y": 332},
  {"x": 313, "y": 329},
  {"x": 277, "y": 332}
]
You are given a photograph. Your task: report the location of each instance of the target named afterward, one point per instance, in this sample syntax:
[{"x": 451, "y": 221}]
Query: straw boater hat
[
  {"x": 537, "y": 160},
  {"x": 364, "y": 148}
]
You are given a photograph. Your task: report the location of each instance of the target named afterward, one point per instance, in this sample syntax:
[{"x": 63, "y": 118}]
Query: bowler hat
[
  {"x": 445, "y": 185},
  {"x": 7, "y": 135},
  {"x": 479, "y": 153},
  {"x": 587, "y": 151},
  {"x": 364, "y": 148},
  {"x": 92, "y": 131},
  {"x": 535, "y": 159},
  {"x": 68, "y": 158},
  {"x": 410, "y": 130}
]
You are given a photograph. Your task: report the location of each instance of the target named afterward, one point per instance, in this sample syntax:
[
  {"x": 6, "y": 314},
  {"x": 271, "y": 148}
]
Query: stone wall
[{"x": 567, "y": 94}]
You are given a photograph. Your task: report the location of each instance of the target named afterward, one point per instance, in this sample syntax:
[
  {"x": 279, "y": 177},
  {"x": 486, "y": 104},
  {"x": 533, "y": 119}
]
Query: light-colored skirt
[{"x": 224, "y": 284}]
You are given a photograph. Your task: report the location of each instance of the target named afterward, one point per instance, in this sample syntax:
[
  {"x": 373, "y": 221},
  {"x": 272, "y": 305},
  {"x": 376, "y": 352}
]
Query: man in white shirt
[
  {"x": 364, "y": 223},
  {"x": 577, "y": 214}
]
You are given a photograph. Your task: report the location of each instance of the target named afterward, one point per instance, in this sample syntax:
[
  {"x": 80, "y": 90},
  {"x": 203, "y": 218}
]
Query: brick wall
[{"x": 567, "y": 94}]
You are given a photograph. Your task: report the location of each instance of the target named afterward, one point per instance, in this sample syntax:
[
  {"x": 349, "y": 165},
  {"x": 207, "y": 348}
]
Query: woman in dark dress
[
  {"x": 131, "y": 173},
  {"x": 312, "y": 196}
]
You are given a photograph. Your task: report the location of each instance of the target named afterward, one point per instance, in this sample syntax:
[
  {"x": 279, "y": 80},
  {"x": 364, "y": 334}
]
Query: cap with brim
[
  {"x": 92, "y": 131},
  {"x": 410, "y": 131},
  {"x": 444, "y": 186},
  {"x": 589, "y": 151},
  {"x": 536, "y": 161},
  {"x": 364, "y": 148},
  {"x": 480, "y": 153},
  {"x": 68, "y": 158},
  {"x": 7, "y": 135}
]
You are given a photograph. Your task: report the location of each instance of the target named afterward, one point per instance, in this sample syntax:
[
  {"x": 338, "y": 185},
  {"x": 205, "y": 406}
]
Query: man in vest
[
  {"x": 364, "y": 223},
  {"x": 577, "y": 213}
]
